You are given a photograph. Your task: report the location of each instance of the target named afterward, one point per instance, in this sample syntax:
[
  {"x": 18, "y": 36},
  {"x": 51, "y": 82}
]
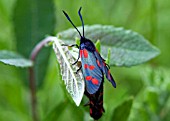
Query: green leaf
[
  {"x": 33, "y": 19},
  {"x": 98, "y": 45},
  {"x": 128, "y": 48},
  {"x": 121, "y": 113},
  {"x": 152, "y": 98},
  {"x": 108, "y": 56},
  {"x": 78, "y": 41},
  {"x": 14, "y": 59},
  {"x": 74, "y": 81},
  {"x": 54, "y": 114}
]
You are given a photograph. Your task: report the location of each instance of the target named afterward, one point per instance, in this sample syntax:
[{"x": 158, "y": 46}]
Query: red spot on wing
[
  {"x": 95, "y": 81},
  {"x": 97, "y": 51},
  {"x": 85, "y": 66},
  {"x": 91, "y": 111},
  {"x": 91, "y": 67},
  {"x": 108, "y": 73},
  {"x": 98, "y": 63},
  {"x": 101, "y": 110},
  {"x": 85, "y": 53},
  {"x": 88, "y": 78},
  {"x": 81, "y": 53}
]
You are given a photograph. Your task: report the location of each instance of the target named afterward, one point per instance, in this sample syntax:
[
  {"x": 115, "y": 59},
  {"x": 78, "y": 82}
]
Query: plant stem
[
  {"x": 33, "y": 93},
  {"x": 32, "y": 80}
]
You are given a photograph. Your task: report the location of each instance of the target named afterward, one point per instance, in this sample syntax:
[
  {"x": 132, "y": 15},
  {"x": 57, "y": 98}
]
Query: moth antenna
[
  {"x": 79, "y": 12},
  {"x": 71, "y": 22}
]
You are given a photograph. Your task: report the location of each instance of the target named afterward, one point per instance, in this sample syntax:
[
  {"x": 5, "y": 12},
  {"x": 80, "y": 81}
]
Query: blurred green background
[{"x": 142, "y": 92}]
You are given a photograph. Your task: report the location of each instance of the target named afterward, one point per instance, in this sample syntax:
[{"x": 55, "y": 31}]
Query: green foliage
[
  {"x": 108, "y": 56},
  {"x": 14, "y": 101},
  {"x": 14, "y": 59},
  {"x": 122, "y": 112},
  {"x": 6, "y": 35},
  {"x": 152, "y": 103},
  {"x": 98, "y": 45},
  {"x": 54, "y": 114},
  {"x": 33, "y": 19},
  {"x": 127, "y": 47}
]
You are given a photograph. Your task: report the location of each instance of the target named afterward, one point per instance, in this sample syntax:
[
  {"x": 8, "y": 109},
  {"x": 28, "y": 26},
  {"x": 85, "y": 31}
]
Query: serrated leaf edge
[{"x": 62, "y": 49}]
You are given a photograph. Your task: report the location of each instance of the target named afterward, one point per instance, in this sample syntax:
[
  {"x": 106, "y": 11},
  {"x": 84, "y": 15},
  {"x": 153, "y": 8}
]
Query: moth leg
[
  {"x": 108, "y": 65},
  {"x": 73, "y": 46},
  {"x": 70, "y": 45},
  {"x": 103, "y": 59},
  {"x": 78, "y": 69},
  {"x": 86, "y": 104},
  {"x": 77, "y": 59}
]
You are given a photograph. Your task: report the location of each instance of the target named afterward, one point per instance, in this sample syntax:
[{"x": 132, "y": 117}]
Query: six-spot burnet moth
[{"x": 93, "y": 67}]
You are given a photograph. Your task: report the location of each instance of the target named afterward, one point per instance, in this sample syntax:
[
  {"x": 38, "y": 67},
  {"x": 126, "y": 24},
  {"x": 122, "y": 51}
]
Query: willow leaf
[
  {"x": 127, "y": 47},
  {"x": 14, "y": 59},
  {"x": 74, "y": 82}
]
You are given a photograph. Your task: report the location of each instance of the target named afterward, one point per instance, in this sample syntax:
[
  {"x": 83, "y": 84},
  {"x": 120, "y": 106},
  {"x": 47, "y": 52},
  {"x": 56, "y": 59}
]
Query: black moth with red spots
[
  {"x": 93, "y": 67},
  {"x": 96, "y": 103}
]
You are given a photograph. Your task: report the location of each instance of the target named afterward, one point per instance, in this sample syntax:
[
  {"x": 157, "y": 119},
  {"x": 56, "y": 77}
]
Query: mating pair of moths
[{"x": 93, "y": 67}]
